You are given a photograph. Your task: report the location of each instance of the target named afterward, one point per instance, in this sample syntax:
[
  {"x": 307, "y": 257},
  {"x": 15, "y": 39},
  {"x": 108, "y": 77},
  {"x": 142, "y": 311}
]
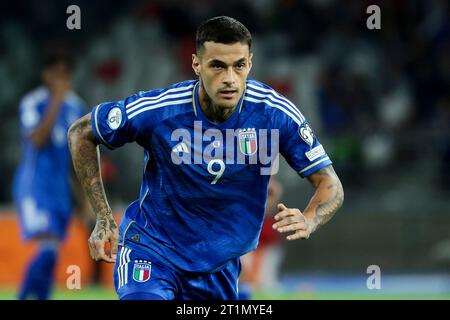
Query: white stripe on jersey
[
  {"x": 122, "y": 270},
  {"x": 127, "y": 260},
  {"x": 277, "y": 95},
  {"x": 123, "y": 264},
  {"x": 168, "y": 103},
  {"x": 266, "y": 101},
  {"x": 130, "y": 105},
  {"x": 119, "y": 275},
  {"x": 143, "y": 198},
  {"x": 148, "y": 103},
  {"x": 314, "y": 164},
  {"x": 279, "y": 102}
]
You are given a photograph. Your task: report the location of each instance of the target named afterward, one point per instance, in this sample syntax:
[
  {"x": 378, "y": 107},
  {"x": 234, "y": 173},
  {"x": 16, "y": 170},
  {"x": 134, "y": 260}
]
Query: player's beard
[{"x": 215, "y": 112}]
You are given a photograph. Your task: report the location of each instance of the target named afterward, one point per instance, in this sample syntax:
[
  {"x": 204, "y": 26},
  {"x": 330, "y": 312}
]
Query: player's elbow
[
  {"x": 332, "y": 182},
  {"x": 72, "y": 135},
  {"x": 339, "y": 193},
  {"x": 72, "y": 138}
]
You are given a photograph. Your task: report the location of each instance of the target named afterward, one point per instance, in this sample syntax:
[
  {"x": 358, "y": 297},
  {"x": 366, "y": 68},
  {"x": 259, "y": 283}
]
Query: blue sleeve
[
  {"x": 300, "y": 146},
  {"x": 130, "y": 120},
  {"x": 111, "y": 125}
]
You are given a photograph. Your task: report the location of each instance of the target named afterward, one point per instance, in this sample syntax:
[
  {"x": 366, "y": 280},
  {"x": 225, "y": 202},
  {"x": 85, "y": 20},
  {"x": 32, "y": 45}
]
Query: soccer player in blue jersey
[
  {"x": 42, "y": 186},
  {"x": 206, "y": 146}
]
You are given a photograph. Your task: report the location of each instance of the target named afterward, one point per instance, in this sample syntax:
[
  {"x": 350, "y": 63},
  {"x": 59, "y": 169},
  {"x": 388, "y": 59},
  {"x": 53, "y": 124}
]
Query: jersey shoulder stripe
[
  {"x": 274, "y": 96},
  {"x": 165, "y": 97},
  {"x": 282, "y": 105},
  {"x": 154, "y": 99},
  {"x": 259, "y": 89},
  {"x": 165, "y": 103},
  {"x": 178, "y": 93},
  {"x": 275, "y": 105}
]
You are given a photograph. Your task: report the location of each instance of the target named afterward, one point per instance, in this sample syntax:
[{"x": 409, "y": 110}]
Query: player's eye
[
  {"x": 240, "y": 66},
  {"x": 217, "y": 66}
]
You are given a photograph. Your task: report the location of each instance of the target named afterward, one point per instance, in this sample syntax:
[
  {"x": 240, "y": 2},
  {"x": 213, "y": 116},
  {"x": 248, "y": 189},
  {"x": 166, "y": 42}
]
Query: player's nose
[{"x": 229, "y": 77}]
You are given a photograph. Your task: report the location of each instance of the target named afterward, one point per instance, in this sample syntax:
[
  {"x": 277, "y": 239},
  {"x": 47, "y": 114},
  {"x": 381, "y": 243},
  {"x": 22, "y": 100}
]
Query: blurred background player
[
  {"x": 43, "y": 190},
  {"x": 260, "y": 268}
]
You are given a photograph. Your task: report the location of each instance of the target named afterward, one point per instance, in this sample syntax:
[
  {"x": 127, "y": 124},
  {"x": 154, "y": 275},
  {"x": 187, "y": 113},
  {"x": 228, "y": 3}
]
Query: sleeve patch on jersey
[
  {"x": 315, "y": 153},
  {"x": 114, "y": 118},
  {"x": 306, "y": 134}
]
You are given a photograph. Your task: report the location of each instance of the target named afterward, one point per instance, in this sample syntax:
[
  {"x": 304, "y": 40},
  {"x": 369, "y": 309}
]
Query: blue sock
[
  {"x": 38, "y": 278},
  {"x": 245, "y": 291}
]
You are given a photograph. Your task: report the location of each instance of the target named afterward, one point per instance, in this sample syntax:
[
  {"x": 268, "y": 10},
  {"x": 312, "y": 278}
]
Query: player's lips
[{"x": 227, "y": 93}]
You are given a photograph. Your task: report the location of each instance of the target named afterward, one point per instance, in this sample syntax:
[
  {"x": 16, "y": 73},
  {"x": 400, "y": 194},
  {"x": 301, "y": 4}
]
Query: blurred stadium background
[{"x": 378, "y": 99}]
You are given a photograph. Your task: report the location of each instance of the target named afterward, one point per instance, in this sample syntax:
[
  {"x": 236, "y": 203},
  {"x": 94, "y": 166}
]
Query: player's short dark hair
[
  {"x": 55, "y": 56},
  {"x": 224, "y": 30}
]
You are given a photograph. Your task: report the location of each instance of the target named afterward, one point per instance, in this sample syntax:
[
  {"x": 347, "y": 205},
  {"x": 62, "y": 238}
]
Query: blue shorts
[
  {"x": 137, "y": 272},
  {"x": 36, "y": 220}
]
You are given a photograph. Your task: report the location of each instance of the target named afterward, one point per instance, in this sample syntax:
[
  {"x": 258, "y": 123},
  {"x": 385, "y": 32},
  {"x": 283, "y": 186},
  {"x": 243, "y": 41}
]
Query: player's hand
[
  {"x": 105, "y": 231},
  {"x": 58, "y": 83},
  {"x": 59, "y": 88},
  {"x": 289, "y": 220}
]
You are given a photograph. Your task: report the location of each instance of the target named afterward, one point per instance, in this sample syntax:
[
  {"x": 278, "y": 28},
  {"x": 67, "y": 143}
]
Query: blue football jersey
[
  {"x": 44, "y": 174},
  {"x": 204, "y": 184}
]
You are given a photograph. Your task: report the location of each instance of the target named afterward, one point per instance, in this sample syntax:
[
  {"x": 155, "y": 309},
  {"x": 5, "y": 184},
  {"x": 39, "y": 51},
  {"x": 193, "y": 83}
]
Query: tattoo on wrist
[{"x": 103, "y": 226}]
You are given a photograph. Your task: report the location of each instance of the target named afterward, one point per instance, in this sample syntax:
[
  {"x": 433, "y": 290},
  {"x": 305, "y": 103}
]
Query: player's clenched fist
[
  {"x": 292, "y": 220},
  {"x": 105, "y": 231}
]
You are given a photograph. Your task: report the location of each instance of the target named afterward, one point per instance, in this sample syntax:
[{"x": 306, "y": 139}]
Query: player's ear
[{"x": 196, "y": 64}]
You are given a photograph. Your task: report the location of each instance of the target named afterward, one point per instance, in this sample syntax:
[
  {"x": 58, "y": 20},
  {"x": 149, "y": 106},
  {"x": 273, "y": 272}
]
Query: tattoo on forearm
[
  {"x": 328, "y": 198},
  {"x": 327, "y": 209},
  {"x": 86, "y": 163}
]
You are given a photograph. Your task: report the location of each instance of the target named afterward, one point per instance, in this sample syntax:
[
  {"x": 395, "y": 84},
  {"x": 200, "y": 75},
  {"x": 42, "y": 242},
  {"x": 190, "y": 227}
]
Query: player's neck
[{"x": 212, "y": 111}]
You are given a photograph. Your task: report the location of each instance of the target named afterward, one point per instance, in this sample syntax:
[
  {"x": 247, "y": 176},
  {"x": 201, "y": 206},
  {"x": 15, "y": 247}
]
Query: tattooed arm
[
  {"x": 85, "y": 157},
  {"x": 327, "y": 199}
]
